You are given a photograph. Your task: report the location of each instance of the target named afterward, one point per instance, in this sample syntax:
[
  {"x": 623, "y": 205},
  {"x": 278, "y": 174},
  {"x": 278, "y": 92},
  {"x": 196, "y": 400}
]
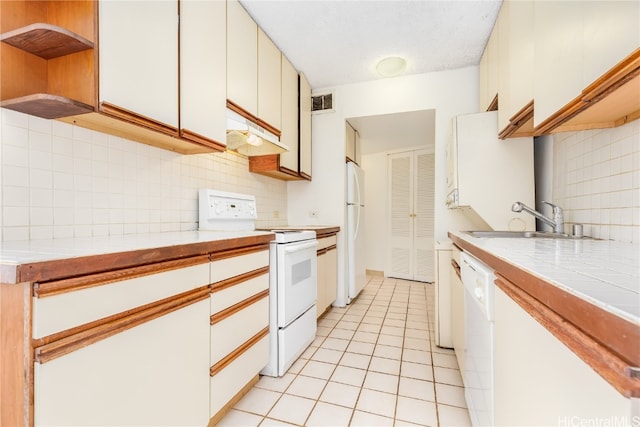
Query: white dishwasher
[{"x": 478, "y": 280}]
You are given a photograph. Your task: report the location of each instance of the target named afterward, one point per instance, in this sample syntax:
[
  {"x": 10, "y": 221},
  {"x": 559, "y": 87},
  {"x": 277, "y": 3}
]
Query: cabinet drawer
[
  {"x": 230, "y": 332},
  {"x": 225, "y": 384},
  {"x": 225, "y": 298},
  {"x": 326, "y": 242},
  {"x": 62, "y": 311},
  {"x": 229, "y": 267}
]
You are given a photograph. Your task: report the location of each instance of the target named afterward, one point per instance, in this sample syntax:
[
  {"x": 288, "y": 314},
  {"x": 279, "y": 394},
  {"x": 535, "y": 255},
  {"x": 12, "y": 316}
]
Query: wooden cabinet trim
[
  {"x": 64, "y": 342},
  {"x": 325, "y": 250},
  {"x": 247, "y": 115},
  {"x": 47, "y": 106},
  {"x": 137, "y": 119},
  {"x": 55, "y": 287},
  {"x": 202, "y": 140},
  {"x": 456, "y": 268},
  {"x": 321, "y": 233},
  {"x": 230, "y": 311},
  {"x": 611, "y": 367},
  {"x": 227, "y": 360},
  {"x": 231, "y": 253},
  {"x": 269, "y": 165},
  {"x": 84, "y": 265},
  {"x": 521, "y": 124},
  {"x": 493, "y": 105},
  {"x": 233, "y": 281},
  {"x": 624, "y": 76},
  {"x": 15, "y": 363},
  {"x": 613, "y": 334}
]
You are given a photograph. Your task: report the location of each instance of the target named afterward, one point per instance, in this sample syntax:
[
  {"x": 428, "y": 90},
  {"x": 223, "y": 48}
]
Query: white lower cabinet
[
  {"x": 327, "y": 273},
  {"x": 154, "y": 374},
  {"x": 539, "y": 381},
  {"x": 458, "y": 339},
  {"x": 239, "y": 340},
  {"x": 162, "y": 345}
]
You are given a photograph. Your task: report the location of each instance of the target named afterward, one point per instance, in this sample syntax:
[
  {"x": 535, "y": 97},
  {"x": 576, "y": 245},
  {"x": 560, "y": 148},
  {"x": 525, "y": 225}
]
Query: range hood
[{"x": 250, "y": 139}]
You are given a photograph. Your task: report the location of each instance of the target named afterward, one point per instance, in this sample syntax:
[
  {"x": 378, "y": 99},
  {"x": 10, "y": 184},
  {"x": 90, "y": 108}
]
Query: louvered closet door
[{"x": 411, "y": 187}]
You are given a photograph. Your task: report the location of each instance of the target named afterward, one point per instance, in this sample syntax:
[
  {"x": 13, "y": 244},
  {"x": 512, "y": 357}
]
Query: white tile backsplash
[
  {"x": 60, "y": 180},
  {"x": 597, "y": 180}
]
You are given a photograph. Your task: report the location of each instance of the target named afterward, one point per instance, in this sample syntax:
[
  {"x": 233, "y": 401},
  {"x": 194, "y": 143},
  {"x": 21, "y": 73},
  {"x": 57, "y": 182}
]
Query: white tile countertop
[
  {"x": 602, "y": 272},
  {"x": 17, "y": 253}
]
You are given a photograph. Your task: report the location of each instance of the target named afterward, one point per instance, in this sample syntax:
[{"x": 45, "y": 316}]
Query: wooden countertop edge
[
  {"x": 91, "y": 264},
  {"x": 606, "y": 342}
]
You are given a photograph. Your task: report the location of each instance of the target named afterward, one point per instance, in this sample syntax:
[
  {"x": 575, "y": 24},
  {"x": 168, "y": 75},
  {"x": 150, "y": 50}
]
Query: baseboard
[{"x": 374, "y": 273}]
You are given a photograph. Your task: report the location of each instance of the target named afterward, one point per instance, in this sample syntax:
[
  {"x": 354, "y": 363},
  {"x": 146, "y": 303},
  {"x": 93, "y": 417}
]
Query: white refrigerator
[{"x": 356, "y": 276}]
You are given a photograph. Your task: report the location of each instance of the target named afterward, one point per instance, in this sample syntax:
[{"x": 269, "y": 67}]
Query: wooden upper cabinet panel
[
  {"x": 242, "y": 58},
  {"x": 203, "y": 70},
  {"x": 269, "y": 81},
  {"x": 139, "y": 58}
]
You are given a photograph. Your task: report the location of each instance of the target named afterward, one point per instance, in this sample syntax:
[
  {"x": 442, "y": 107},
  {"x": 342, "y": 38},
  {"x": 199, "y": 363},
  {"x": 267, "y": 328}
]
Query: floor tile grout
[{"x": 383, "y": 295}]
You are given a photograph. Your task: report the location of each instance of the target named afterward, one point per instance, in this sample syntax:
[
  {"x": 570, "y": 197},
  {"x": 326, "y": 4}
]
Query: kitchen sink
[{"x": 519, "y": 234}]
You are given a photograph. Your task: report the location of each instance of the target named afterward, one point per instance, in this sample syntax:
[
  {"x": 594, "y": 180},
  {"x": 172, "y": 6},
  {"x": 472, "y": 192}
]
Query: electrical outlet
[
  {"x": 313, "y": 214},
  {"x": 276, "y": 214}
]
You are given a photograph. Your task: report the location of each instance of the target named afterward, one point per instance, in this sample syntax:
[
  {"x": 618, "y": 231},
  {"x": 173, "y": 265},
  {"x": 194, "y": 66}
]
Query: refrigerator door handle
[{"x": 357, "y": 214}]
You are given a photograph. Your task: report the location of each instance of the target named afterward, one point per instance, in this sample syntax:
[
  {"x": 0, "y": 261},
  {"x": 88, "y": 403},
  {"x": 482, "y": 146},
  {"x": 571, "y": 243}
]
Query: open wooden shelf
[
  {"x": 47, "y": 106},
  {"x": 46, "y": 41}
]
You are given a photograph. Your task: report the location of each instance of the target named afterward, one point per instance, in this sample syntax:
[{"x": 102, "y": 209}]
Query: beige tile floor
[{"x": 373, "y": 363}]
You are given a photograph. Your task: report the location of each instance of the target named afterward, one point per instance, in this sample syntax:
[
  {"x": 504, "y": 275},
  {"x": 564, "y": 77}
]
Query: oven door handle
[{"x": 290, "y": 249}]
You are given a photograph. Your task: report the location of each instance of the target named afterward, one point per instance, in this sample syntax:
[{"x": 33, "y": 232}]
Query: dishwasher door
[{"x": 478, "y": 281}]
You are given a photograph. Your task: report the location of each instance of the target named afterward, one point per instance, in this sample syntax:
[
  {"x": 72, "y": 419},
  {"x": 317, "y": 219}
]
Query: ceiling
[{"x": 336, "y": 42}]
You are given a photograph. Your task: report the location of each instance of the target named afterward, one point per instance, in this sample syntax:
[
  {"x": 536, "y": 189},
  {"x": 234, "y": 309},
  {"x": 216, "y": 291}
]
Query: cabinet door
[
  {"x": 351, "y": 143},
  {"x": 457, "y": 313},
  {"x": 562, "y": 386},
  {"x": 139, "y": 58},
  {"x": 489, "y": 71},
  {"x": 610, "y": 34},
  {"x": 242, "y": 58},
  {"x": 290, "y": 135},
  {"x": 269, "y": 81},
  {"x": 305, "y": 127},
  {"x": 203, "y": 70},
  {"x": 515, "y": 78},
  {"x": 155, "y": 374},
  {"x": 321, "y": 294},
  {"x": 331, "y": 277},
  {"x": 558, "y": 29}
]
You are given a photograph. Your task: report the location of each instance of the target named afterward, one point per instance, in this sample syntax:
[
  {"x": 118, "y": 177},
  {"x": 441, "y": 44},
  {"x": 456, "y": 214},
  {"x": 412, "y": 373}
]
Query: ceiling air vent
[{"x": 322, "y": 103}]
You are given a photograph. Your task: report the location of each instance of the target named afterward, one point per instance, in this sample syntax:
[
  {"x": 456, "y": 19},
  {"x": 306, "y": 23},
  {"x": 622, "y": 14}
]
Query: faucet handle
[{"x": 554, "y": 207}]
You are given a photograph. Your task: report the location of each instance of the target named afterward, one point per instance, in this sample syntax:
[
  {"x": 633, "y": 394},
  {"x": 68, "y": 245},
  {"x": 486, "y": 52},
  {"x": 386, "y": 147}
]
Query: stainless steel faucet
[{"x": 558, "y": 217}]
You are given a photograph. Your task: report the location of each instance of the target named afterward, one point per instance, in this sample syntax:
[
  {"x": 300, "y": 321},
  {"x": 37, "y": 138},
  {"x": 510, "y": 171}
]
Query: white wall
[
  {"x": 448, "y": 92},
  {"x": 60, "y": 180}
]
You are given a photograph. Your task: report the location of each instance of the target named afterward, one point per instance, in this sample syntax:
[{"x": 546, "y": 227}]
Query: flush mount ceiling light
[{"x": 391, "y": 66}]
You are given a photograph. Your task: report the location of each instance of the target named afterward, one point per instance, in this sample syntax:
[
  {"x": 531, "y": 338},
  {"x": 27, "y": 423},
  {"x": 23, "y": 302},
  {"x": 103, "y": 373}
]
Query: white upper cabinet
[
  {"x": 242, "y": 58},
  {"x": 139, "y": 58},
  {"x": 305, "y": 127},
  {"x": 611, "y": 32},
  {"x": 515, "y": 70},
  {"x": 575, "y": 44},
  {"x": 203, "y": 71},
  {"x": 489, "y": 72},
  {"x": 558, "y": 55},
  {"x": 290, "y": 134},
  {"x": 269, "y": 81}
]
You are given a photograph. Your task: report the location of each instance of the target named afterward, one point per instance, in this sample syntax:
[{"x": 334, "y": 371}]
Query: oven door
[{"x": 296, "y": 281}]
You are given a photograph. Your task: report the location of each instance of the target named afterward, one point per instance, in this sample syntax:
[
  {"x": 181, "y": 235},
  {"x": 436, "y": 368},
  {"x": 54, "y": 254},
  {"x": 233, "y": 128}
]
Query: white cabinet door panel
[
  {"x": 203, "y": 69},
  {"x": 59, "y": 312},
  {"x": 230, "y": 267},
  {"x": 139, "y": 57},
  {"x": 242, "y": 58},
  {"x": 116, "y": 381}
]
